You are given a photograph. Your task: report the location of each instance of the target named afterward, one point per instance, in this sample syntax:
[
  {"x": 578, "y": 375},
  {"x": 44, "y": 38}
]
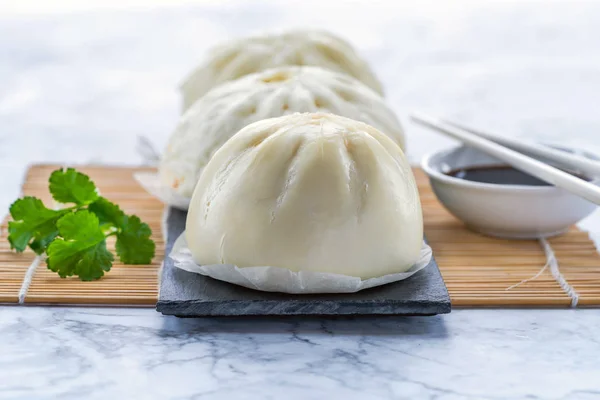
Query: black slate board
[{"x": 185, "y": 294}]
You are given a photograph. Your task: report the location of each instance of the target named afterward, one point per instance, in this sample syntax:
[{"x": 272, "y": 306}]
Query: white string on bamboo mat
[
  {"x": 552, "y": 262},
  {"x": 33, "y": 267},
  {"x": 28, "y": 278}
]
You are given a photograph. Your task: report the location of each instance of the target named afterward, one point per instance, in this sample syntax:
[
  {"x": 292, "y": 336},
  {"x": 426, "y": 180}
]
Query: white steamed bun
[
  {"x": 237, "y": 58},
  {"x": 272, "y": 93},
  {"x": 308, "y": 192}
]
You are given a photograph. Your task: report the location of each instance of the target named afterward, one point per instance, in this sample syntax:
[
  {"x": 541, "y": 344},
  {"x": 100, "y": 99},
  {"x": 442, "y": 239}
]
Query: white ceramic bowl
[{"x": 509, "y": 211}]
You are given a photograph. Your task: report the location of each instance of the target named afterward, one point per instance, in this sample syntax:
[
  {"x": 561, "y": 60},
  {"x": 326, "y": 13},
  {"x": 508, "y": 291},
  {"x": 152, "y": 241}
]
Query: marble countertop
[
  {"x": 78, "y": 85},
  {"x": 52, "y": 353}
]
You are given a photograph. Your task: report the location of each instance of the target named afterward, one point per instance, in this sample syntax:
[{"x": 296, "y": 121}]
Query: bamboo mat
[
  {"x": 124, "y": 285},
  {"x": 476, "y": 269}
]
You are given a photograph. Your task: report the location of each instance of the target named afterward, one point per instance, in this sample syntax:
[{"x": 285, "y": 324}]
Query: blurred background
[{"x": 80, "y": 80}]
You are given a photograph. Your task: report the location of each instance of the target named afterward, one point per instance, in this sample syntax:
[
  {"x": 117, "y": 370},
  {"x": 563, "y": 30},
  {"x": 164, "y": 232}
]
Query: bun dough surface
[
  {"x": 238, "y": 58},
  {"x": 272, "y": 93},
  {"x": 308, "y": 192}
]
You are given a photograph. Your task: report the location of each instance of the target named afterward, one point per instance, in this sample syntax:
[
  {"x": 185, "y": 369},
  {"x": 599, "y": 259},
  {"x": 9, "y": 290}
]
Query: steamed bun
[
  {"x": 308, "y": 192},
  {"x": 272, "y": 93},
  {"x": 235, "y": 59}
]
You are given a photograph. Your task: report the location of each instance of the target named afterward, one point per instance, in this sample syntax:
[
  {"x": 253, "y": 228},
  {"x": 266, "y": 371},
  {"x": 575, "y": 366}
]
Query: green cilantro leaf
[
  {"x": 82, "y": 249},
  {"x": 71, "y": 186},
  {"x": 31, "y": 220},
  {"x": 44, "y": 235},
  {"x": 19, "y": 235},
  {"x": 31, "y": 209},
  {"x": 108, "y": 213},
  {"x": 74, "y": 238},
  {"x": 134, "y": 245}
]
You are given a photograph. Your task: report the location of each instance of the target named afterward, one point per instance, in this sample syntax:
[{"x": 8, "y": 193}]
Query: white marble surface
[
  {"x": 80, "y": 80},
  {"x": 51, "y": 353}
]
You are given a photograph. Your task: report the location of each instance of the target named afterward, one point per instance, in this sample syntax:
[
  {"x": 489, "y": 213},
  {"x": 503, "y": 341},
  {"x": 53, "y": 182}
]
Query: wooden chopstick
[
  {"x": 518, "y": 160},
  {"x": 568, "y": 160}
]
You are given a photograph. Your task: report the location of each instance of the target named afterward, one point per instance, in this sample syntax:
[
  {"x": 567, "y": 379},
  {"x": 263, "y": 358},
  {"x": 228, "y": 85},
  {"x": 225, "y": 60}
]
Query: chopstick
[
  {"x": 581, "y": 164},
  {"x": 520, "y": 161}
]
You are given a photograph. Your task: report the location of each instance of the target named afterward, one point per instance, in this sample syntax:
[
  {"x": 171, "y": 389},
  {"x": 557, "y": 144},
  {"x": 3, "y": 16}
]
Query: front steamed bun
[
  {"x": 280, "y": 91},
  {"x": 237, "y": 58},
  {"x": 308, "y": 192}
]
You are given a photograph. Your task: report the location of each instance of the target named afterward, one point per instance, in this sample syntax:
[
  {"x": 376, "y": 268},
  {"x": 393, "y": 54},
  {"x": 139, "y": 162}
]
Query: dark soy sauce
[{"x": 501, "y": 175}]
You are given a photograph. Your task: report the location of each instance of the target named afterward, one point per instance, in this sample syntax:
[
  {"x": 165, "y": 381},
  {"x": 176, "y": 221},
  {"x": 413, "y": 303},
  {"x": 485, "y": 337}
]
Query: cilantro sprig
[{"x": 74, "y": 237}]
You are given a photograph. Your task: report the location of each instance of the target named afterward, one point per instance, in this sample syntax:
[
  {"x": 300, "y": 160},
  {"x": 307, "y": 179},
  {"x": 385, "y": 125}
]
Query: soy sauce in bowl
[
  {"x": 502, "y": 175},
  {"x": 493, "y": 198}
]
